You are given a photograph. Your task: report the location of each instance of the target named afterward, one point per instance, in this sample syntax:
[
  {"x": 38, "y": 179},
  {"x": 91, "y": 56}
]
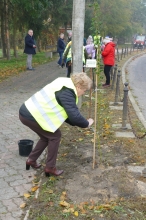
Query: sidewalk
[{"x": 14, "y": 179}]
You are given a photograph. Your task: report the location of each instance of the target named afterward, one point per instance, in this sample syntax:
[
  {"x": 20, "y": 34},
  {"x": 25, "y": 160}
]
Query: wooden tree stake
[
  {"x": 95, "y": 122},
  {"x": 90, "y": 95}
]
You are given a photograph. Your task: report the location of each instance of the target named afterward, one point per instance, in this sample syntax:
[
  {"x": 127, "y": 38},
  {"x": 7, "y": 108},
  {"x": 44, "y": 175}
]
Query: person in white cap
[{"x": 108, "y": 55}]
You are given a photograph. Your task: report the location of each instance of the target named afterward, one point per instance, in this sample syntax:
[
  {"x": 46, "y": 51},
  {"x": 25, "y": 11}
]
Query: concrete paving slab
[
  {"x": 125, "y": 134},
  {"x": 142, "y": 188},
  {"x": 118, "y": 103},
  {"x": 116, "y": 107},
  {"x": 118, "y": 126},
  {"x": 135, "y": 169}
]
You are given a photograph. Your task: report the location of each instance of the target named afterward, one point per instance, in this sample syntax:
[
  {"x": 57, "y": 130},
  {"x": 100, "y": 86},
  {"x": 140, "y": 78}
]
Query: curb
[{"x": 135, "y": 106}]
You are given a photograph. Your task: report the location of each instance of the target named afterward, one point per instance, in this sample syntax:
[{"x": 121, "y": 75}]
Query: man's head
[
  {"x": 70, "y": 34},
  {"x": 30, "y": 32},
  {"x": 61, "y": 35}
]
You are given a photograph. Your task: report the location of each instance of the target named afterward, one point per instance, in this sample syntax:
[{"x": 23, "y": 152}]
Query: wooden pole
[
  {"x": 95, "y": 121},
  {"x": 90, "y": 95}
]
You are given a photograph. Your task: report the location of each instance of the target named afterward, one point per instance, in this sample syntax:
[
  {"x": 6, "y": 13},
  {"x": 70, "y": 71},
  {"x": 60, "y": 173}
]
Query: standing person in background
[
  {"x": 67, "y": 58},
  {"x": 69, "y": 36},
  {"x": 84, "y": 41},
  {"x": 108, "y": 55},
  {"x": 29, "y": 49},
  {"x": 60, "y": 48},
  {"x": 90, "y": 48}
]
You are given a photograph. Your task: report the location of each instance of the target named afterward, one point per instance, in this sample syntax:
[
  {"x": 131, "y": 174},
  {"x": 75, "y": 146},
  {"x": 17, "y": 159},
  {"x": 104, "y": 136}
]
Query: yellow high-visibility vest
[
  {"x": 68, "y": 53},
  {"x": 44, "y": 107}
]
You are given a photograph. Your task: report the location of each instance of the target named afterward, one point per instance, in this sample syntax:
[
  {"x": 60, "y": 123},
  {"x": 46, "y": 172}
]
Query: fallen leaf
[
  {"x": 64, "y": 193},
  {"x": 131, "y": 141},
  {"x": 23, "y": 205},
  {"x": 63, "y": 155},
  {"x": 27, "y": 195},
  {"x": 33, "y": 189},
  {"x": 71, "y": 210},
  {"x": 65, "y": 211},
  {"x": 83, "y": 211},
  {"x": 50, "y": 191},
  {"x": 76, "y": 213},
  {"x": 91, "y": 207},
  {"x": 52, "y": 178},
  {"x": 62, "y": 198},
  {"x": 35, "y": 183},
  {"x": 80, "y": 207},
  {"x": 64, "y": 203},
  {"x": 106, "y": 126}
]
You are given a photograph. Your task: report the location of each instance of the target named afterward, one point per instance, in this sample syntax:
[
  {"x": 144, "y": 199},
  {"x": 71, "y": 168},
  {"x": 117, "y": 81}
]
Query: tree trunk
[
  {"x": 15, "y": 47},
  {"x": 7, "y": 29},
  {"x": 3, "y": 31},
  {"x": 39, "y": 46}
]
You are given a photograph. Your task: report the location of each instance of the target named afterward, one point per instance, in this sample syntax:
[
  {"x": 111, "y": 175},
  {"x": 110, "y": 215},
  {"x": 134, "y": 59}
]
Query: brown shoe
[
  {"x": 33, "y": 164},
  {"x": 52, "y": 171},
  {"x": 106, "y": 85}
]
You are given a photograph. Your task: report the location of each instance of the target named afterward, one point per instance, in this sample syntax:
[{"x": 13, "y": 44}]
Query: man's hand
[
  {"x": 34, "y": 46},
  {"x": 91, "y": 121}
]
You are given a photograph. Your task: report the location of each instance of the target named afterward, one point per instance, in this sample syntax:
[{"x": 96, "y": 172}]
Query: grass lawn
[{"x": 16, "y": 65}]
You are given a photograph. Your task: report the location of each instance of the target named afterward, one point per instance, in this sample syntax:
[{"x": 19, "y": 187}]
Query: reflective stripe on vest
[{"x": 44, "y": 107}]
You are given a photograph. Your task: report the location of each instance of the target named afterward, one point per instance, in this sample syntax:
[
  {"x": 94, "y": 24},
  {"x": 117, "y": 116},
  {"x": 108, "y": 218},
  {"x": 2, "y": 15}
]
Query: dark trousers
[
  {"x": 47, "y": 139},
  {"x": 107, "y": 69},
  {"x": 68, "y": 71},
  {"x": 60, "y": 58}
]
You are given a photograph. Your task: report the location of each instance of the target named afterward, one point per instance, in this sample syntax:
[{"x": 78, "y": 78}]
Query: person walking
[
  {"x": 108, "y": 55},
  {"x": 47, "y": 110},
  {"x": 29, "y": 49},
  {"x": 60, "y": 48}
]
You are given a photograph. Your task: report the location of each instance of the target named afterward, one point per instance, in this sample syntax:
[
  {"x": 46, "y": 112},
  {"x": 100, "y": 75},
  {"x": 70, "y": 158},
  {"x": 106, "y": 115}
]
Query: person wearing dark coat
[
  {"x": 46, "y": 111},
  {"x": 60, "y": 48},
  {"x": 29, "y": 49}
]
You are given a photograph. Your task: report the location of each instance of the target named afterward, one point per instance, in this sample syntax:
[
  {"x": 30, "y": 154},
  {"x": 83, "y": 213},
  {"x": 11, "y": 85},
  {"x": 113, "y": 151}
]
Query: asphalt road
[{"x": 137, "y": 81}]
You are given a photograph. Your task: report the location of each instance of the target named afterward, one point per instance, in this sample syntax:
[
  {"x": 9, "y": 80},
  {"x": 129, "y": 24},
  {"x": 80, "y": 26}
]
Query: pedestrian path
[{"x": 14, "y": 179}]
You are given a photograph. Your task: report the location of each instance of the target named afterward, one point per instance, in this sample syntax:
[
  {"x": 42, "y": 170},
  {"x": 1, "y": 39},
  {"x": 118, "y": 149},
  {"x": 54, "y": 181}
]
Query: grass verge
[{"x": 14, "y": 66}]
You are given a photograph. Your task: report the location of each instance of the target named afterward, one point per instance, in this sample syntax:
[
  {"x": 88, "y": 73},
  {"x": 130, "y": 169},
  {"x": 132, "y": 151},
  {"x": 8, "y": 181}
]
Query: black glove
[{"x": 63, "y": 64}]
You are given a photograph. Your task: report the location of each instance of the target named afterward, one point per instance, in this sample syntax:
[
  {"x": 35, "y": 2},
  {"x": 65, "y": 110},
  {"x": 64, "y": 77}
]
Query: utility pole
[{"x": 78, "y": 18}]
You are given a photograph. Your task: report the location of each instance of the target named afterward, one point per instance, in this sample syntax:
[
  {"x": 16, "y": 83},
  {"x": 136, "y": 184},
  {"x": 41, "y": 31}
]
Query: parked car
[{"x": 140, "y": 41}]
